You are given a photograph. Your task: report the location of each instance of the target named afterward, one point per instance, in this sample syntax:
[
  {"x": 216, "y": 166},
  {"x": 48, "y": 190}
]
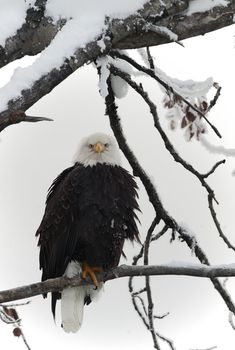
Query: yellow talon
[{"x": 90, "y": 270}]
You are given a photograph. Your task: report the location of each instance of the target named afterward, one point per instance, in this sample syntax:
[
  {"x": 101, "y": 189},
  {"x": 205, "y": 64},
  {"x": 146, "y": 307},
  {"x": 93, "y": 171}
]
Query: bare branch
[
  {"x": 147, "y": 284},
  {"x": 193, "y": 245},
  {"x": 19, "y": 116},
  {"x": 213, "y": 168},
  {"x": 167, "y": 340},
  {"x": 210, "y": 348},
  {"x": 111, "y": 110},
  {"x": 159, "y": 234},
  {"x": 217, "y": 224},
  {"x": 150, "y": 58},
  {"x": 58, "y": 284},
  {"x": 175, "y": 155}
]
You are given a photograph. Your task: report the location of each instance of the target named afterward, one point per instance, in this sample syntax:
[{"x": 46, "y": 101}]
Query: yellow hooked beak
[{"x": 99, "y": 147}]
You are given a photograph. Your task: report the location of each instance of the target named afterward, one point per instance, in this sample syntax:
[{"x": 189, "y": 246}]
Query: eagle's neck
[{"x": 108, "y": 158}]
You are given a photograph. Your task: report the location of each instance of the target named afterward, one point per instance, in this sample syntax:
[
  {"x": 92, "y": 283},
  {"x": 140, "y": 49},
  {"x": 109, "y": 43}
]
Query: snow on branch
[
  {"x": 172, "y": 87},
  {"x": 58, "y": 284},
  {"x": 31, "y": 30},
  {"x": 78, "y": 39}
]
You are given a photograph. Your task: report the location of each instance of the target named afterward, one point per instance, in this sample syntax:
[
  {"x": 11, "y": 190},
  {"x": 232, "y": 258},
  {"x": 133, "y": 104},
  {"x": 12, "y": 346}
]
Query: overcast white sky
[{"x": 32, "y": 155}]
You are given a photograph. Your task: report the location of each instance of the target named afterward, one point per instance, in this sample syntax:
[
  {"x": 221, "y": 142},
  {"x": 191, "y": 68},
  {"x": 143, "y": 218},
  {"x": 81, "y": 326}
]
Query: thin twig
[
  {"x": 18, "y": 116},
  {"x": 25, "y": 340},
  {"x": 9, "y": 315},
  {"x": 15, "y": 305},
  {"x": 160, "y": 317},
  {"x": 142, "y": 303},
  {"x": 7, "y": 319},
  {"x": 215, "y": 99},
  {"x": 217, "y": 224},
  {"x": 147, "y": 284},
  {"x": 213, "y": 168},
  {"x": 142, "y": 290},
  {"x": 167, "y": 340},
  {"x": 230, "y": 319},
  {"x": 150, "y": 59},
  {"x": 159, "y": 234}
]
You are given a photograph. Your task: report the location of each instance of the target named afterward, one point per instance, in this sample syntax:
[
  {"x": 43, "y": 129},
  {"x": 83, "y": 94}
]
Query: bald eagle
[{"x": 90, "y": 211}]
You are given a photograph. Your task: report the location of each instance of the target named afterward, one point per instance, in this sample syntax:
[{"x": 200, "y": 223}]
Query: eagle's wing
[
  {"x": 57, "y": 231},
  {"x": 94, "y": 207}
]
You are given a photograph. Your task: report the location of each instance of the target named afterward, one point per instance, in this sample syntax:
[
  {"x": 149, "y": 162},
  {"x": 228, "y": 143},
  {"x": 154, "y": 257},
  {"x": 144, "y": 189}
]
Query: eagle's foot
[{"x": 90, "y": 271}]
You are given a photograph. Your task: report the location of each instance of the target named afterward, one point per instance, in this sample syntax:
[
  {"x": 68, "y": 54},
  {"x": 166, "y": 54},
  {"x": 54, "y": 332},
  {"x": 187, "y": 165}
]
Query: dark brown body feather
[{"x": 89, "y": 213}]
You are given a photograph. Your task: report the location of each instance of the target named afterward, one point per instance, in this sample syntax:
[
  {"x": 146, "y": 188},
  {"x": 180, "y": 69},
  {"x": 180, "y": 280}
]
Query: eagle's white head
[{"x": 98, "y": 148}]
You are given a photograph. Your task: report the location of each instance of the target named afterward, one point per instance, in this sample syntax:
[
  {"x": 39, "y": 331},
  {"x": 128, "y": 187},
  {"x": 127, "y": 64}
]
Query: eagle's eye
[
  {"x": 106, "y": 145},
  {"x": 90, "y": 146}
]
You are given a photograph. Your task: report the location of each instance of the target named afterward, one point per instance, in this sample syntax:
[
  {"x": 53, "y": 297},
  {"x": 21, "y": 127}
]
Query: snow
[
  {"x": 228, "y": 152},
  {"x": 12, "y": 16},
  {"x": 186, "y": 229},
  {"x": 164, "y": 31},
  {"x": 186, "y": 88},
  {"x": 194, "y": 92},
  {"x": 102, "y": 63},
  {"x": 204, "y": 5},
  {"x": 80, "y": 8},
  {"x": 195, "y": 266},
  {"x": 119, "y": 86},
  {"x": 85, "y": 22}
]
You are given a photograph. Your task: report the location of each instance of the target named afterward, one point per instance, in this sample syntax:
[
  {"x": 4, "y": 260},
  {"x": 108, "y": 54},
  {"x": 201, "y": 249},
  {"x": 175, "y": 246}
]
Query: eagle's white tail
[
  {"x": 72, "y": 300},
  {"x": 72, "y": 304}
]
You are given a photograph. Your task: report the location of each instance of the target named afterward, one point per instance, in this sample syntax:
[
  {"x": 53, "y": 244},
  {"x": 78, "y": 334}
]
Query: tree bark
[{"x": 57, "y": 284}]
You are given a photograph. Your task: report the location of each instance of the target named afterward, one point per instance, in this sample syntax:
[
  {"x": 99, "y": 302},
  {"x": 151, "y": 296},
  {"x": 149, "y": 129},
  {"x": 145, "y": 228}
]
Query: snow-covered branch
[
  {"x": 34, "y": 35},
  {"x": 48, "y": 32}
]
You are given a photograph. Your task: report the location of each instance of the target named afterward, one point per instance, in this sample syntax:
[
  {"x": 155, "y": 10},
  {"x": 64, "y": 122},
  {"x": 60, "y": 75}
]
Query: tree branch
[
  {"x": 58, "y": 284},
  {"x": 38, "y": 31},
  {"x": 34, "y": 36},
  {"x": 161, "y": 213},
  {"x": 167, "y": 87}
]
